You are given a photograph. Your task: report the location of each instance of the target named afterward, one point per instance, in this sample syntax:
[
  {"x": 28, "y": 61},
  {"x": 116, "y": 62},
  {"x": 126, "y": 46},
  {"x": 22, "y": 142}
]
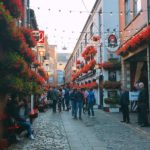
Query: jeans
[
  {"x": 73, "y": 103},
  {"x": 90, "y": 108},
  {"x": 26, "y": 125},
  {"x": 125, "y": 113},
  {"x": 79, "y": 106}
]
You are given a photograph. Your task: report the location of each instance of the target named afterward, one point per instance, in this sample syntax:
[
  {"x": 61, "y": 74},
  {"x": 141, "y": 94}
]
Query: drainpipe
[{"x": 148, "y": 50}]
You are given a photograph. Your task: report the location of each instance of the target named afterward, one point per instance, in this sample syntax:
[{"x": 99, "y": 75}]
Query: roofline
[{"x": 82, "y": 31}]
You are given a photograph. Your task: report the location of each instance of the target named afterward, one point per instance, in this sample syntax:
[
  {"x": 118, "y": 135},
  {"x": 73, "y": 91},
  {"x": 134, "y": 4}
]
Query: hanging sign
[{"x": 39, "y": 36}]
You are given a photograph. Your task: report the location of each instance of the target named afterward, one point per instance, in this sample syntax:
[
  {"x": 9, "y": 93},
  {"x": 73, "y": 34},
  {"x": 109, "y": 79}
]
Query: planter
[{"x": 111, "y": 109}]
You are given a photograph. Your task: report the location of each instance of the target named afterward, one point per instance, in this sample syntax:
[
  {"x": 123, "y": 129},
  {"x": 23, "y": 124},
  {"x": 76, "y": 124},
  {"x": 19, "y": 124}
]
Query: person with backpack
[{"x": 90, "y": 102}]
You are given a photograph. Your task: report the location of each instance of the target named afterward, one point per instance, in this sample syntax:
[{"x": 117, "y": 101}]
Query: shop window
[{"x": 112, "y": 75}]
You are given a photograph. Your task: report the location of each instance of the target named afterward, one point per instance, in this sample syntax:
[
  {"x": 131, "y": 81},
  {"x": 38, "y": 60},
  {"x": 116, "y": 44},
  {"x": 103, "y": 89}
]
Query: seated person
[{"x": 20, "y": 113}]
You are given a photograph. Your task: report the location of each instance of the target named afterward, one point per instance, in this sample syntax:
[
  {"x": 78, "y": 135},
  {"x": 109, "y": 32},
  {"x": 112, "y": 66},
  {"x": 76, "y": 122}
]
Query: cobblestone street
[{"x": 103, "y": 132}]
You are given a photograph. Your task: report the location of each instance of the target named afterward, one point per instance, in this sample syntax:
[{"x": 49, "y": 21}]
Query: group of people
[
  {"x": 78, "y": 100},
  {"x": 143, "y": 106}
]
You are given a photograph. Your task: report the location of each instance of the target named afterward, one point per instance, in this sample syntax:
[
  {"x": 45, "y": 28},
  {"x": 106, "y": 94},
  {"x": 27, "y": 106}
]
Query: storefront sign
[{"x": 133, "y": 96}]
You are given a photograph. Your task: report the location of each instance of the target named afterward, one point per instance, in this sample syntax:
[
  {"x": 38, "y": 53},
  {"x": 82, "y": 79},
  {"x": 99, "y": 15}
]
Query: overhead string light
[
  {"x": 106, "y": 32},
  {"x": 94, "y": 12},
  {"x": 90, "y": 13}
]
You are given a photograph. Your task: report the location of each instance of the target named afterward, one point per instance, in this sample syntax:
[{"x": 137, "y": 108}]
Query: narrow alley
[{"x": 103, "y": 132}]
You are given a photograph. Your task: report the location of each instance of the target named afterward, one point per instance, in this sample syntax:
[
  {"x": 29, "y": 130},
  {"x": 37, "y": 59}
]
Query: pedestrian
[
  {"x": 73, "y": 101},
  {"x": 54, "y": 98},
  {"x": 143, "y": 105},
  {"x": 85, "y": 106},
  {"x": 49, "y": 97},
  {"x": 63, "y": 99},
  {"x": 67, "y": 98},
  {"x": 59, "y": 99},
  {"x": 79, "y": 103},
  {"x": 90, "y": 101},
  {"x": 124, "y": 103}
]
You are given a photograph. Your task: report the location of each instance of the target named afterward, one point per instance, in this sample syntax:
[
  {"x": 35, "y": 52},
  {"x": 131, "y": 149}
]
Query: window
[
  {"x": 81, "y": 47},
  {"x": 137, "y": 7},
  {"x": 127, "y": 12},
  {"x": 91, "y": 30},
  {"x": 112, "y": 75},
  {"x": 100, "y": 20},
  {"x": 85, "y": 39}
]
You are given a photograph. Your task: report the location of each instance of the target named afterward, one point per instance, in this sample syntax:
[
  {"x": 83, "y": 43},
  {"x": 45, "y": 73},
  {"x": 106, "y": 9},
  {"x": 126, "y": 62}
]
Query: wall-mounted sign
[
  {"x": 112, "y": 43},
  {"x": 39, "y": 36}
]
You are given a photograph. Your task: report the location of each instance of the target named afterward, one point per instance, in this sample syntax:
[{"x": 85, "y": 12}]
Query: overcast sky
[{"x": 62, "y": 20}]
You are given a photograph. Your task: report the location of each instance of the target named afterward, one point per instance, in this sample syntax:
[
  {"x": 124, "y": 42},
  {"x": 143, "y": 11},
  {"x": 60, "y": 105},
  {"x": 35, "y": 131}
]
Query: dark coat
[
  {"x": 79, "y": 96},
  {"x": 72, "y": 96},
  {"x": 124, "y": 98},
  {"x": 143, "y": 96}
]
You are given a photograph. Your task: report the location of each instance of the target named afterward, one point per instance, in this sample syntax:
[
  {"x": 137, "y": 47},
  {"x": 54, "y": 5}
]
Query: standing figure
[
  {"x": 63, "y": 99},
  {"x": 124, "y": 102},
  {"x": 91, "y": 99},
  {"x": 67, "y": 98},
  {"x": 143, "y": 105},
  {"x": 85, "y": 107},
  {"x": 79, "y": 103},
  {"x": 59, "y": 99},
  {"x": 73, "y": 101},
  {"x": 54, "y": 98}
]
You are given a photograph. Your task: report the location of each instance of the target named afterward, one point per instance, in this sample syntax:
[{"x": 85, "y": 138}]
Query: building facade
[
  {"x": 134, "y": 48},
  {"x": 95, "y": 49}
]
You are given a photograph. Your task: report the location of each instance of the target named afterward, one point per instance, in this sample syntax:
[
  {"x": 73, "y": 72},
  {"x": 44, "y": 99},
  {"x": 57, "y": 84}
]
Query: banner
[{"x": 133, "y": 96}]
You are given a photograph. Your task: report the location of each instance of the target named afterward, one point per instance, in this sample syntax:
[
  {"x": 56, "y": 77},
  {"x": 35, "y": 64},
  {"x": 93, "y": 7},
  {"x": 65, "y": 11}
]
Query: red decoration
[
  {"x": 43, "y": 73},
  {"x": 95, "y": 38},
  {"x": 138, "y": 40},
  {"x": 88, "y": 51},
  {"x": 30, "y": 39},
  {"x": 15, "y": 7}
]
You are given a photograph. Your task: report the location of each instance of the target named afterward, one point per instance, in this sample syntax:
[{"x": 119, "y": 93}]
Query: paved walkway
[{"x": 103, "y": 132}]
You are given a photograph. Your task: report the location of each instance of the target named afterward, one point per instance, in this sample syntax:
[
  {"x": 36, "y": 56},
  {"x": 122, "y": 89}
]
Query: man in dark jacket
[
  {"x": 143, "y": 105},
  {"x": 79, "y": 103},
  {"x": 124, "y": 102}
]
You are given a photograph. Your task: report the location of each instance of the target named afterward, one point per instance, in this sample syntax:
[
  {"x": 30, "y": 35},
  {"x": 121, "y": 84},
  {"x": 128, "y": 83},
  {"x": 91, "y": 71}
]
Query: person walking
[
  {"x": 85, "y": 106},
  {"x": 73, "y": 101},
  {"x": 67, "y": 98},
  {"x": 59, "y": 99},
  {"x": 124, "y": 103},
  {"x": 63, "y": 99},
  {"x": 143, "y": 105},
  {"x": 90, "y": 101},
  {"x": 54, "y": 98}
]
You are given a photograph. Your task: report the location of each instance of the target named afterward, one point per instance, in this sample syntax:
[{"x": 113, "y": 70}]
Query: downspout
[{"x": 148, "y": 50}]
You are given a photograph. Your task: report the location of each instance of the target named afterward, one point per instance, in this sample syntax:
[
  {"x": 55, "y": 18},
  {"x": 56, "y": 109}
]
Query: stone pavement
[{"x": 103, "y": 132}]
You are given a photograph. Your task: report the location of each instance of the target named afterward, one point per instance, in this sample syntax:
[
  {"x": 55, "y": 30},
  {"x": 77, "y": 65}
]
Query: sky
[{"x": 62, "y": 20}]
